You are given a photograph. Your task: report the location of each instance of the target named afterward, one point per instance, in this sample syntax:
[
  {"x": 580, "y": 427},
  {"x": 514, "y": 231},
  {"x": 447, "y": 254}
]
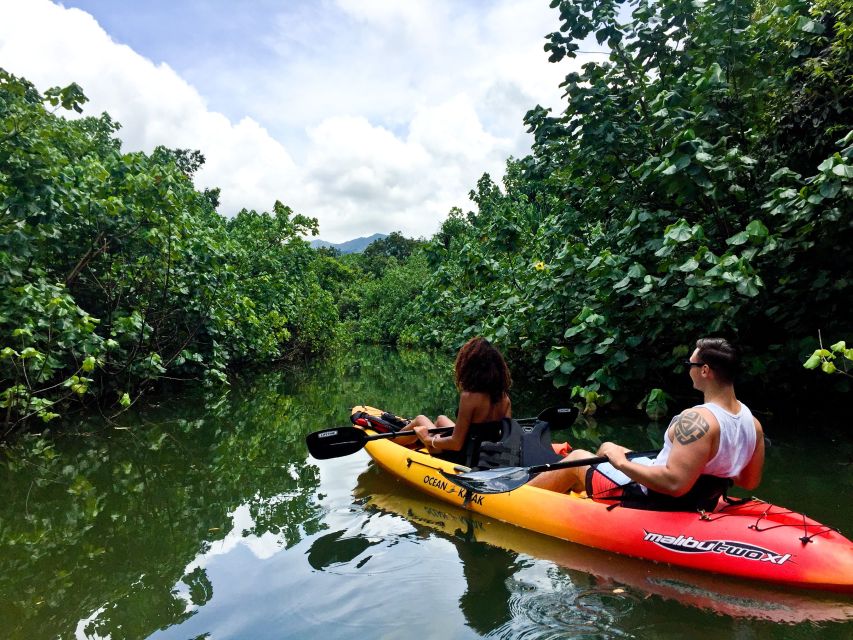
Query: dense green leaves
[
  {"x": 698, "y": 182},
  {"x": 117, "y": 273},
  {"x": 374, "y": 290}
]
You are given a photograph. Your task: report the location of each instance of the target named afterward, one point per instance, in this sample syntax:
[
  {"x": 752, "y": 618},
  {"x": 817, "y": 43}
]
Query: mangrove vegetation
[{"x": 698, "y": 180}]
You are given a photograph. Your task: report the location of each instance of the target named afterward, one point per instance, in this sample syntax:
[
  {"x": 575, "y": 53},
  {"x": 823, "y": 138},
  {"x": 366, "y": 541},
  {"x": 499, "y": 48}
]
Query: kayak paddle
[
  {"x": 557, "y": 417},
  {"x": 504, "y": 479},
  {"x": 342, "y": 441}
]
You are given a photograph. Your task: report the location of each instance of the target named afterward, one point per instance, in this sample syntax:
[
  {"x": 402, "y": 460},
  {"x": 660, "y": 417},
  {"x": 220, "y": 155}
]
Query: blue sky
[{"x": 370, "y": 115}]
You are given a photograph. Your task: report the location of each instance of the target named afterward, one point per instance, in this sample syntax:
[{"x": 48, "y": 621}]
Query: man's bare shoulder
[{"x": 694, "y": 424}]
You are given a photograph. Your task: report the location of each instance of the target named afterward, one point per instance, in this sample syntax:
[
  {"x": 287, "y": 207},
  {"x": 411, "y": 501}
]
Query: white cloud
[
  {"x": 51, "y": 45},
  {"x": 452, "y": 131},
  {"x": 370, "y": 115}
]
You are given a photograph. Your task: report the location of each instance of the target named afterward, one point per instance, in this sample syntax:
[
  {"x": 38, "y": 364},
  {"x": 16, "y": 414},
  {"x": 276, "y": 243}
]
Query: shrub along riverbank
[
  {"x": 699, "y": 181},
  {"x": 117, "y": 273}
]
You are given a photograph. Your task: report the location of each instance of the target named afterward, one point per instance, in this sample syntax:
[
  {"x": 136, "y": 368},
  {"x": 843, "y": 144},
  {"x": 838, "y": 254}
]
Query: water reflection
[
  {"x": 106, "y": 533},
  {"x": 336, "y": 548},
  {"x": 595, "y": 593},
  {"x": 486, "y": 603},
  {"x": 203, "y": 517}
]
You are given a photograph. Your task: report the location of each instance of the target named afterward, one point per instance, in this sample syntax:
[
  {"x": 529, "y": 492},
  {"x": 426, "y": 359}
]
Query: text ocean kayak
[{"x": 755, "y": 540}]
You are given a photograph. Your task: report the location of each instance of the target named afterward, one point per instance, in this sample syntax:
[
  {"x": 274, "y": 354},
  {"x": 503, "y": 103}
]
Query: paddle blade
[
  {"x": 334, "y": 443},
  {"x": 559, "y": 417},
  {"x": 489, "y": 481}
]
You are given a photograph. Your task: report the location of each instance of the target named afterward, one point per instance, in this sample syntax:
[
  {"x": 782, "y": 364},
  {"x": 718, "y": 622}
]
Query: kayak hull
[
  {"x": 754, "y": 540},
  {"x": 703, "y": 590}
]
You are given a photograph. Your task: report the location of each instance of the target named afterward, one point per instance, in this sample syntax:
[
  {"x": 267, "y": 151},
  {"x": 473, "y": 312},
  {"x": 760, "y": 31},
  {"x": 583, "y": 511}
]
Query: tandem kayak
[
  {"x": 734, "y": 597},
  {"x": 754, "y": 539}
]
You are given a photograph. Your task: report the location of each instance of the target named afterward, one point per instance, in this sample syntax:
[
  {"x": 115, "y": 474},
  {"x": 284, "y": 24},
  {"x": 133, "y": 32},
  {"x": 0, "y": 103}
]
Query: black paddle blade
[
  {"x": 559, "y": 417},
  {"x": 489, "y": 481},
  {"x": 334, "y": 443}
]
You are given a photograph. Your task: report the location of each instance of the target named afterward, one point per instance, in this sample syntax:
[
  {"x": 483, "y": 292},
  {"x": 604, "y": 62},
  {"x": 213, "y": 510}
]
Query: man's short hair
[{"x": 721, "y": 356}]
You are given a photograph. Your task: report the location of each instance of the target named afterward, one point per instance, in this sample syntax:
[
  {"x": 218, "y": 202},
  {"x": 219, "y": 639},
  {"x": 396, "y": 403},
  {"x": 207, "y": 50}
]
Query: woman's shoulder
[
  {"x": 480, "y": 404},
  {"x": 474, "y": 398}
]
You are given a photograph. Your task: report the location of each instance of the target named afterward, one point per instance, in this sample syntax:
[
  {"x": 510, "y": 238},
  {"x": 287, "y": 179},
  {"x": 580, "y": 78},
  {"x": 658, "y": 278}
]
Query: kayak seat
[
  {"x": 479, "y": 434},
  {"x": 536, "y": 445},
  {"x": 703, "y": 496},
  {"x": 520, "y": 445}
]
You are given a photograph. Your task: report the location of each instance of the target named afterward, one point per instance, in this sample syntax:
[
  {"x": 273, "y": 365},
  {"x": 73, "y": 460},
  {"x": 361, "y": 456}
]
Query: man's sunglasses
[{"x": 689, "y": 364}]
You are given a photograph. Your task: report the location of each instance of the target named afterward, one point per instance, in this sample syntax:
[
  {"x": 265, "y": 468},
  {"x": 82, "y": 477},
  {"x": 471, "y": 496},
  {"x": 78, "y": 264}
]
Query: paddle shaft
[
  {"x": 342, "y": 441},
  {"x": 566, "y": 465},
  {"x": 397, "y": 434},
  {"x": 582, "y": 463}
]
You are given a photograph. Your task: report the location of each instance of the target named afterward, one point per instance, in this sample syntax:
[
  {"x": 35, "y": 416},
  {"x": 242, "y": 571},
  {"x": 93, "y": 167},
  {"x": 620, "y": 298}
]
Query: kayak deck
[{"x": 754, "y": 540}]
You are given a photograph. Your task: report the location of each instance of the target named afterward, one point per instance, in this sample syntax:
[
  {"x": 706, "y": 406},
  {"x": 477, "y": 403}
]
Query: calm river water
[{"x": 204, "y": 517}]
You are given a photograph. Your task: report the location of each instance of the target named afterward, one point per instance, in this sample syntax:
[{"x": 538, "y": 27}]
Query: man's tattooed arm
[{"x": 690, "y": 427}]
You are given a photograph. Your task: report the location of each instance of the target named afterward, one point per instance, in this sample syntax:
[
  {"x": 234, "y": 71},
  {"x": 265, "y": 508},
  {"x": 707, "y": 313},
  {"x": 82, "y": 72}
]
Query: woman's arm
[{"x": 456, "y": 440}]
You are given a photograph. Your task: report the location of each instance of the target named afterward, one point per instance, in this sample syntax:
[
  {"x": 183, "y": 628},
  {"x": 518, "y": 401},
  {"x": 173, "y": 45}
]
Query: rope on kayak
[
  {"x": 458, "y": 468},
  {"x": 805, "y": 538}
]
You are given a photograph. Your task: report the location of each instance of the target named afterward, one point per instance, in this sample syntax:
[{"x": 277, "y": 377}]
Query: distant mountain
[{"x": 350, "y": 246}]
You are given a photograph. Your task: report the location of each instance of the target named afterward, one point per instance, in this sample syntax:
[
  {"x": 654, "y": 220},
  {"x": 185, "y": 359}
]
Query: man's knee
[{"x": 577, "y": 454}]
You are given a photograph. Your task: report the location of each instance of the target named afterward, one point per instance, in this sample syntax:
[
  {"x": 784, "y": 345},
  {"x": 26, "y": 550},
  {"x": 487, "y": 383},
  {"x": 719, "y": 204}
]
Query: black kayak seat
[{"x": 521, "y": 445}]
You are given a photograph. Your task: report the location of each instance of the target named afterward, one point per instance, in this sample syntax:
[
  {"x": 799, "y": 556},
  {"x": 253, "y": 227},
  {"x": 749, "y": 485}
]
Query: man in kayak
[{"x": 705, "y": 448}]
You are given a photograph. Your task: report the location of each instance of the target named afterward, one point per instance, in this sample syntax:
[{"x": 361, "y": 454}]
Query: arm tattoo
[{"x": 690, "y": 427}]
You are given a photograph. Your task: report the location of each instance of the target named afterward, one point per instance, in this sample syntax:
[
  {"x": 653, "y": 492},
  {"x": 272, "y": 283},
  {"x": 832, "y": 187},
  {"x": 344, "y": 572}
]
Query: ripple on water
[{"x": 566, "y": 611}]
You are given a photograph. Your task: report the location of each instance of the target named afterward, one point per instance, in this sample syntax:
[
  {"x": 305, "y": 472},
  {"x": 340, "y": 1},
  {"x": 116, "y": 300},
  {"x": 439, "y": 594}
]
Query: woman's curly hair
[{"x": 481, "y": 368}]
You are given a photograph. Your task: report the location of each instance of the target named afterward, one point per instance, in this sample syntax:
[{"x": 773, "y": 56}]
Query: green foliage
[
  {"x": 394, "y": 245},
  {"x": 656, "y": 404},
  {"x": 116, "y": 272},
  {"x": 826, "y": 359},
  {"x": 375, "y": 290},
  {"x": 385, "y": 303},
  {"x": 697, "y": 183}
]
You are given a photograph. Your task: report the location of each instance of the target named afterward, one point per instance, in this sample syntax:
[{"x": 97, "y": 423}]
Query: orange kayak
[
  {"x": 731, "y": 596},
  {"x": 754, "y": 540}
]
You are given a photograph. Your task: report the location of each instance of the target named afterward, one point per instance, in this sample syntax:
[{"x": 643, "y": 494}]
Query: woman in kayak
[
  {"x": 483, "y": 380},
  {"x": 706, "y": 448}
]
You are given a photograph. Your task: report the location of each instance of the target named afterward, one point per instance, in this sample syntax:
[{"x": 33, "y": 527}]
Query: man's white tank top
[{"x": 737, "y": 442}]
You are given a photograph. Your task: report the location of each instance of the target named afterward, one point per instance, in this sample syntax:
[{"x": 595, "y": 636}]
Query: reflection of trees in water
[
  {"x": 105, "y": 525},
  {"x": 488, "y": 569},
  {"x": 110, "y": 524}
]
